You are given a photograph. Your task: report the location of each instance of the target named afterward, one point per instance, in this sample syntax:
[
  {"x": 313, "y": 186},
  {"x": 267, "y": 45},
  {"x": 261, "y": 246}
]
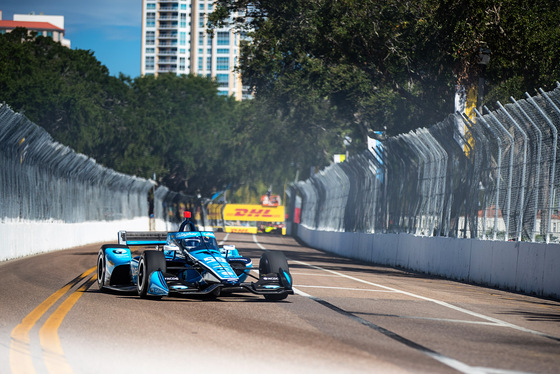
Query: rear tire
[
  {"x": 274, "y": 262},
  {"x": 150, "y": 261}
]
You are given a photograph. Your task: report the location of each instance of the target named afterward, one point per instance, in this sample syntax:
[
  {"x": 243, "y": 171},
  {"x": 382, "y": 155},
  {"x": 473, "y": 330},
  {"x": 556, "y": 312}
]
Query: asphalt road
[{"x": 346, "y": 317}]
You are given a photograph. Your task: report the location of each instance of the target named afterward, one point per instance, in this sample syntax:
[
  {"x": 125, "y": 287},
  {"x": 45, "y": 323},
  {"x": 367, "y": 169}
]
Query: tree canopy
[
  {"x": 324, "y": 73},
  {"x": 391, "y": 65}
]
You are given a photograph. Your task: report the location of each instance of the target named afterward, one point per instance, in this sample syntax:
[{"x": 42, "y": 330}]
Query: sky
[{"x": 111, "y": 29}]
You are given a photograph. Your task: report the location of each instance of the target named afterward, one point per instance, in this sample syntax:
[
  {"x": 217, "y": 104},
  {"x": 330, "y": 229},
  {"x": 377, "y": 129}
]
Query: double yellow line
[{"x": 21, "y": 361}]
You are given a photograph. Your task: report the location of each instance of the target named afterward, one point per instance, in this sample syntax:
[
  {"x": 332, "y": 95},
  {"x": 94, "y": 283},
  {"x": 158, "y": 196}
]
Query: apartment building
[
  {"x": 175, "y": 40},
  {"x": 45, "y": 25}
]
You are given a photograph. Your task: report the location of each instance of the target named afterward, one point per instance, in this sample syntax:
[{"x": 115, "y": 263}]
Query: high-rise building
[{"x": 175, "y": 39}]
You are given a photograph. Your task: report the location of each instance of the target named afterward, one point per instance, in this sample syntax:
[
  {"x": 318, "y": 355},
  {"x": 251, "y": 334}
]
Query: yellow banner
[
  {"x": 215, "y": 211},
  {"x": 249, "y": 212},
  {"x": 242, "y": 230}
]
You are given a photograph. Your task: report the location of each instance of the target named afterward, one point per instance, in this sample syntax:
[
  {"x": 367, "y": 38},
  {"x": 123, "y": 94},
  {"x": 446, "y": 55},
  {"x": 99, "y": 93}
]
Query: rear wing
[{"x": 142, "y": 237}]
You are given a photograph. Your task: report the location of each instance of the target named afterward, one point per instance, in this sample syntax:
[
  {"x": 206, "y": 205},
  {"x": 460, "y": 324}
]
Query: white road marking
[
  {"x": 442, "y": 303},
  {"x": 346, "y": 288},
  {"x": 224, "y": 239},
  {"x": 457, "y": 365},
  {"x": 315, "y": 275},
  {"x": 257, "y": 242}
]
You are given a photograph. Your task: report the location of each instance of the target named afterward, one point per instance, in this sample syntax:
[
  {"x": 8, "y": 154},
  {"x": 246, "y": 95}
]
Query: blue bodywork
[{"x": 191, "y": 262}]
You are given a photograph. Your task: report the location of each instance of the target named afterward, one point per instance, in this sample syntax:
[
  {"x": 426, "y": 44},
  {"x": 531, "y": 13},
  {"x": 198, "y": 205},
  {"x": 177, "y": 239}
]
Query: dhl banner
[
  {"x": 242, "y": 230},
  {"x": 251, "y": 212}
]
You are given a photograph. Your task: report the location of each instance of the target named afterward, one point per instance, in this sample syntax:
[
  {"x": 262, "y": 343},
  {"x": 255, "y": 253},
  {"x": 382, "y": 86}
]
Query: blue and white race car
[{"x": 189, "y": 263}]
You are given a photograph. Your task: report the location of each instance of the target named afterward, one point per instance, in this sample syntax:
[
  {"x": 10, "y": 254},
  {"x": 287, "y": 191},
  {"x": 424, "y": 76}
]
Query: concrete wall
[
  {"x": 21, "y": 239},
  {"x": 532, "y": 268}
]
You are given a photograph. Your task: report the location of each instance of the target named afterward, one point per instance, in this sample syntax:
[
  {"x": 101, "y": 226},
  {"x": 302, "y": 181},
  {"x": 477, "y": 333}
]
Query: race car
[{"x": 189, "y": 263}]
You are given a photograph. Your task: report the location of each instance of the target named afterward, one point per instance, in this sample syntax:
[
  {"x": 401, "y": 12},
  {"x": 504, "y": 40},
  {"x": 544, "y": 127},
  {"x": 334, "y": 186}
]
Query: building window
[
  {"x": 183, "y": 6},
  {"x": 151, "y": 6},
  {"x": 223, "y": 51},
  {"x": 200, "y": 61},
  {"x": 150, "y": 50},
  {"x": 222, "y": 93},
  {"x": 223, "y": 38},
  {"x": 183, "y": 38},
  {"x": 182, "y": 51},
  {"x": 223, "y": 80},
  {"x": 150, "y": 63},
  {"x": 150, "y": 19},
  {"x": 182, "y": 64},
  {"x": 200, "y": 38},
  {"x": 208, "y": 63},
  {"x": 150, "y": 37},
  {"x": 183, "y": 20},
  {"x": 222, "y": 63}
]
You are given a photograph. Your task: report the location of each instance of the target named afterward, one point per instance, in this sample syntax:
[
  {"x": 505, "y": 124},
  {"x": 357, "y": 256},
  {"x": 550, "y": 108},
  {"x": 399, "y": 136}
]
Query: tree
[{"x": 390, "y": 65}]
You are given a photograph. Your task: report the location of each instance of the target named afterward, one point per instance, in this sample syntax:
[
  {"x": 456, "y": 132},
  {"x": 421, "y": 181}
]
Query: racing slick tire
[
  {"x": 273, "y": 262},
  {"x": 150, "y": 261},
  {"x": 101, "y": 269}
]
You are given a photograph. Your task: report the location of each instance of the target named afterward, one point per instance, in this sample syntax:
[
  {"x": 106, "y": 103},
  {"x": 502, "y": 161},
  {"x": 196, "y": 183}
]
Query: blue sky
[{"x": 110, "y": 28}]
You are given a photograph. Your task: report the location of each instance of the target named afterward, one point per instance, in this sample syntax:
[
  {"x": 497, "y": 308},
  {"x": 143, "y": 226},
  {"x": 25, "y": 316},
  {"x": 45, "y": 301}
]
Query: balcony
[
  {"x": 168, "y": 26},
  {"x": 167, "y": 35},
  {"x": 168, "y": 17},
  {"x": 167, "y": 52}
]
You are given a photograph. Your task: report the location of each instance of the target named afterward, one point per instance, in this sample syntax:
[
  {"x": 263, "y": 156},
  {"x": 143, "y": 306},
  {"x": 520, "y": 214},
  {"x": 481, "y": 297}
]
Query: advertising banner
[{"x": 252, "y": 212}]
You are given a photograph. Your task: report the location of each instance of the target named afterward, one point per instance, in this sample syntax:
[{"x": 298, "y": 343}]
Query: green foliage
[
  {"x": 390, "y": 65},
  {"x": 324, "y": 73}
]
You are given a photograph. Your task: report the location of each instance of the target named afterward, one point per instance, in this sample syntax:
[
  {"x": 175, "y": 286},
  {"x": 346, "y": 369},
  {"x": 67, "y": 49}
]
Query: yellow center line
[
  {"x": 53, "y": 354},
  {"x": 20, "y": 353}
]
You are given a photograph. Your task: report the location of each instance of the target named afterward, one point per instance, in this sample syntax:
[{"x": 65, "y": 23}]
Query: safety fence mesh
[
  {"x": 491, "y": 178},
  {"x": 42, "y": 180}
]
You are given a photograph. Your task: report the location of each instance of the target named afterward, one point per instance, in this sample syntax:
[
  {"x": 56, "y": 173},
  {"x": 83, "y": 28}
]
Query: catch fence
[
  {"x": 493, "y": 178},
  {"x": 42, "y": 180}
]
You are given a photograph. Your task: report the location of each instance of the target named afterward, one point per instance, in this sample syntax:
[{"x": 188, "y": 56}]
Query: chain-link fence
[
  {"x": 42, "y": 180},
  {"x": 494, "y": 179}
]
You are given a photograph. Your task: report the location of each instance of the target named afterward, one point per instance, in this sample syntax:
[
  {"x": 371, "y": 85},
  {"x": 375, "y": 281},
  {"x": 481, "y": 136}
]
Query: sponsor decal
[
  {"x": 191, "y": 234},
  {"x": 270, "y": 279},
  {"x": 171, "y": 279}
]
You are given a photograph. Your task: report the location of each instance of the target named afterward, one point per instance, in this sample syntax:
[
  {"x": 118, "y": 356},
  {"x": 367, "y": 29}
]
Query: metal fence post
[
  {"x": 523, "y": 172},
  {"x": 510, "y": 176},
  {"x": 537, "y": 177}
]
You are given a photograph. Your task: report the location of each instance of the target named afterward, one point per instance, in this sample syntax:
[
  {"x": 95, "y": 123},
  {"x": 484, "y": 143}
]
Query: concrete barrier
[
  {"x": 531, "y": 268},
  {"x": 21, "y": 239}
]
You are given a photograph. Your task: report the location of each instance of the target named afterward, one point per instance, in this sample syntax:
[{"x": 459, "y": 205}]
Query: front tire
[
  {"x": 274, "y": 262},
  {"x": 101, "y": 269},
  {"x": 150, "y": 261}
]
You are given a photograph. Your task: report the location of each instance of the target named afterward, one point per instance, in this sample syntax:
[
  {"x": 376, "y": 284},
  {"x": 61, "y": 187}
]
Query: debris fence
[{"x": 494, "y": 178}]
